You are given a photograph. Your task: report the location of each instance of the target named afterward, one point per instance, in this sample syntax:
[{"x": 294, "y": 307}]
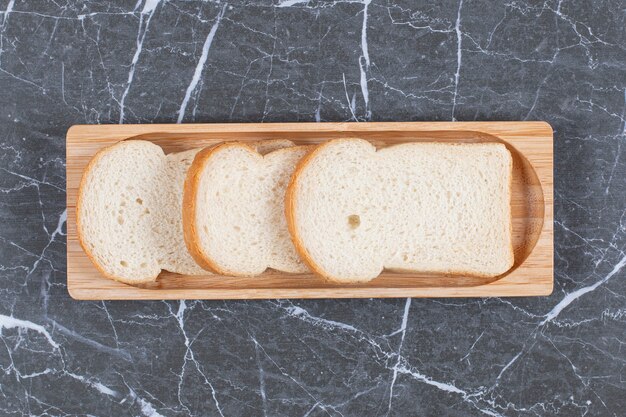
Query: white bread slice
[
  {"x": 233, "y": 213},
  {"x": 129, "y": 211},
  {"x": 428, "y": 207}
]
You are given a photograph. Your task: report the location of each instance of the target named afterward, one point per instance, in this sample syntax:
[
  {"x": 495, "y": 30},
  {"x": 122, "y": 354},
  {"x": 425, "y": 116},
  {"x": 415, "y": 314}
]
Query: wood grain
[{"x": 532, "y": 207}]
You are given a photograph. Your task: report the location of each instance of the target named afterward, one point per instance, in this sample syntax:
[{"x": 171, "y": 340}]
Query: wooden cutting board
[{"x": 532, "y": 207}]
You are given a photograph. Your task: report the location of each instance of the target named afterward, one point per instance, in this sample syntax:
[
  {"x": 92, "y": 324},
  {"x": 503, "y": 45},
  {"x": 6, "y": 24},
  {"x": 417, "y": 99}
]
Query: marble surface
[{"x": 67, "y": 62}]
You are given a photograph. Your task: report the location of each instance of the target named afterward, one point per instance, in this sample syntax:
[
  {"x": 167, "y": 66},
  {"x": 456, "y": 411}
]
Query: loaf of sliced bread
[
  {"x": 429, "y": 207},
  {"x": 129, "y": 210},
  {"x": 233, "y": 212}
]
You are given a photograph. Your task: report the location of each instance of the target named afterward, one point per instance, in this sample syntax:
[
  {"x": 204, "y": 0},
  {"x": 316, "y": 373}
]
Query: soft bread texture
[
  {"x": 129, "y": 210},
  {"x": 429, "y": 207},
  {"x": 233, "y": 213}
]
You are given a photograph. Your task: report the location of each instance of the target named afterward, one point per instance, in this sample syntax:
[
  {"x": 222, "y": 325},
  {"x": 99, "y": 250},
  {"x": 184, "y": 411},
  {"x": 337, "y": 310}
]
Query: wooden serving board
[{"x": 532, "y": 204}]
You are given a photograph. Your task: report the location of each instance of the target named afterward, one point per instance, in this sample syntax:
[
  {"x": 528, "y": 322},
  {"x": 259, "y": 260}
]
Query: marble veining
[{"x": 158, "y": 61}]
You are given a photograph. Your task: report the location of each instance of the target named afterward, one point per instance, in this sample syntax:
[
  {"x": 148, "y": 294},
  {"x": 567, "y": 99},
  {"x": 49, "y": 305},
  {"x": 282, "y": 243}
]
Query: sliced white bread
[
  {"x": 129, "y": 211},
  {"x": 429, "y": 207},
  {"x": 126, "y": 213},
  {"x": 233, "y": 213}
]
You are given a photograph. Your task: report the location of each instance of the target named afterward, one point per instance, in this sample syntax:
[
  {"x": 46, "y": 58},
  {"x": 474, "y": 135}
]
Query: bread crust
[
  {"x": 79, "y": 226},
  {"x": 192, "y": 184},
  {"x": 291, "y": 204}
]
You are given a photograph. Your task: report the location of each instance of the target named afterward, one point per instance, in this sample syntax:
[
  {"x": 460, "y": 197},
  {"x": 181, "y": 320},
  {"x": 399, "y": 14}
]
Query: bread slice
[
  {"x": 126, "y": 213},
  {"x": 233, "y": 213},
  {"x": 129, "y": 211},
  {"x": 429, "y": 207}
]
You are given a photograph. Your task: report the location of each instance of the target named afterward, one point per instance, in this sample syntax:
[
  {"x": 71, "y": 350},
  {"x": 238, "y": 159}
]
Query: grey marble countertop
[{"x": 68, "y": 62}]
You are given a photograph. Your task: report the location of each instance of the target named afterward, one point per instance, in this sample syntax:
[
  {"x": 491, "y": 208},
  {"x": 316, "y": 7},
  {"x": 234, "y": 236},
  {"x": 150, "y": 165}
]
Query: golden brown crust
[
  {"x": 291, "y": 205},
  {"x": 79, "y": 228},
  {"x": 192, "y": 184}
]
